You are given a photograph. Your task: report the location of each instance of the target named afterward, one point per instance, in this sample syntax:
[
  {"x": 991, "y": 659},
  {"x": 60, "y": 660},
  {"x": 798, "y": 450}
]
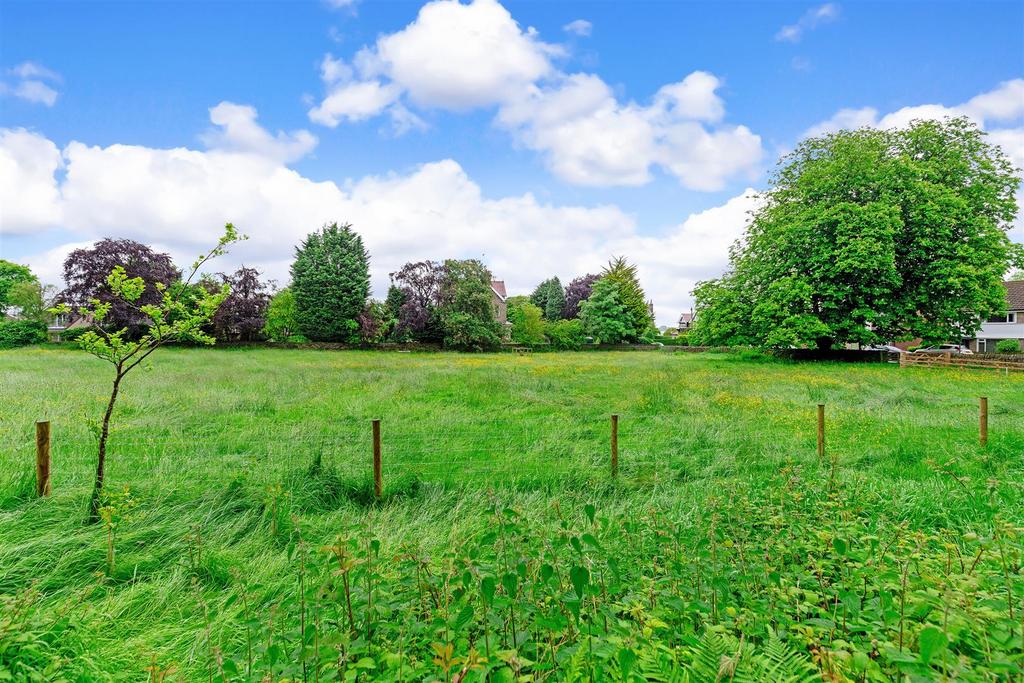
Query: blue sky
[{"x": 637, "y": 129}]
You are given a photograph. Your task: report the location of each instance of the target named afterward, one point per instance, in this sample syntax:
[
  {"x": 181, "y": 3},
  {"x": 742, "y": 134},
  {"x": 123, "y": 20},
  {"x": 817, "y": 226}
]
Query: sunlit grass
[{"x": 203, "y": 436}]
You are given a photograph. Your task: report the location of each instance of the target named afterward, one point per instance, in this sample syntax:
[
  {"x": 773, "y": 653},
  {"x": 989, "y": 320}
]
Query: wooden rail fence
[{"x": 955, "y": 360}]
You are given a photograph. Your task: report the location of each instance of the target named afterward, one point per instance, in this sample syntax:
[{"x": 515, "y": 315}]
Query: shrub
[
  {"x": 565, "y": 335},
  {"x": 682, "y": 339},
  {"x": 375, "y": 322},
  {"x": 243, "y": 314},
  {"x": 14, "y": 333},
  {"x": 74, "y": 334},
  {"x": 1008, "y": 346}
]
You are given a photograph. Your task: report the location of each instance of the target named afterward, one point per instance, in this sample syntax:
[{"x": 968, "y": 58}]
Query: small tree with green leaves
[
  {"x": 33, "y": 300},
  {"x": 181, "y": 315},
  {"x": 282, "y": 323},
  {"x": 527, "y": 322}
]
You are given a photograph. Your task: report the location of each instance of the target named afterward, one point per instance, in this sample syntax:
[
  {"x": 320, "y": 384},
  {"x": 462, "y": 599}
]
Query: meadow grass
[{"x": 238, "y": 462}]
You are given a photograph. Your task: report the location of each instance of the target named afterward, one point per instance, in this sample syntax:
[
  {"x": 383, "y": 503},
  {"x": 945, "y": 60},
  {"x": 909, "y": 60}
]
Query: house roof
[
  {"x": 498, "y": 287},
  {"x": 686, "y": 317},
  {"x": 1014, "y": 295}
]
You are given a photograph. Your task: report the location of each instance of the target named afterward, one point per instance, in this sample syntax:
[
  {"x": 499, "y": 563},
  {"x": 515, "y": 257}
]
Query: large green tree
[
  {"x": 12, "y": 274},
  {"x": 466, "y": 308},
  {"x": 639, "y": 320},
  {"x": 330, "y": 283},
  {"x": 32, "y": 300},
  {"x": 604, "y": 316},
  {"x": 549, "y": 297},
  {"x": 869, "y": 236}
]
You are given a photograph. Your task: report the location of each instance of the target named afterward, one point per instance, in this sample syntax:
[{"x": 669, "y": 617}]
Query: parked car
[
  {"x": 946, "y": 348},
  {"x": 886, "y": 347}
]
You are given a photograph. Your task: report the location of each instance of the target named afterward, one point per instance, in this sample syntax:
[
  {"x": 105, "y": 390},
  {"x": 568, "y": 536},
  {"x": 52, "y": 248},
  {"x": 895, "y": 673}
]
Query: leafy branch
[{"x": 181, "y": 315}]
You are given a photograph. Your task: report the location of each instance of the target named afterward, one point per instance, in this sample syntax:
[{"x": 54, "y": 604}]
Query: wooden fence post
[
  {"x": 42, "y": 458},
  {"x": 378, "y": 483},
  {"x": 821, "y": 432},
  {"x": 983, "y": 421},
  {"x": 615, "y": 445}
]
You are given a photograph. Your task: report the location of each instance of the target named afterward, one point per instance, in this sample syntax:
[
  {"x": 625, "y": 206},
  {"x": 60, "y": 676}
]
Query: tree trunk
[
  {"x": 825, "y": 343},
  {"x": 101, "y": 459}
]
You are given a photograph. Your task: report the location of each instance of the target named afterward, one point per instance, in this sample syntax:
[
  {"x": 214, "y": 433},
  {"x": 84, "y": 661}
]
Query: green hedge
[
  {"x": 1008, "y": 346},
  {"x": 74, "y": 333},
  {"x": 14, "y": 333},
  {"x": 681, "y": 340}
]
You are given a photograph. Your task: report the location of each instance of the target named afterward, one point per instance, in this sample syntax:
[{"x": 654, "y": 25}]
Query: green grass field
[{"x": 248, "y": 545}]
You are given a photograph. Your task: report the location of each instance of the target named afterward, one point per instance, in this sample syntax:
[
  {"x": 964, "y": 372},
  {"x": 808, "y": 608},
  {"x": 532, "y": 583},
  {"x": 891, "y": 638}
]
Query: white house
[{"x": 1008, "y": 326}]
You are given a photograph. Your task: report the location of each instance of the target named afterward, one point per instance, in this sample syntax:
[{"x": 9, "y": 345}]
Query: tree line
[
  {"x": 608, "y": 308},
  {"x": 863, "y": 237},
  {"x": 449, "y": 303}
]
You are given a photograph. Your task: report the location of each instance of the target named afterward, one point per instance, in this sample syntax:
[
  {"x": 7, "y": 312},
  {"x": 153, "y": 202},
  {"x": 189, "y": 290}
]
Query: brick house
[
  {"x": 1010, "y": 325},
  {"x": 499, "y": 297}
]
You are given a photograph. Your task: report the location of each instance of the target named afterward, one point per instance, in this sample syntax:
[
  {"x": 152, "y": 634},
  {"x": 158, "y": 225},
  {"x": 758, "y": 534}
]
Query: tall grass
[{"x": 231, "y": 456}]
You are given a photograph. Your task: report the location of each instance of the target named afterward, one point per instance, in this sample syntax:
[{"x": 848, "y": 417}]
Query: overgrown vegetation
[{"x": 249, "y": 546}]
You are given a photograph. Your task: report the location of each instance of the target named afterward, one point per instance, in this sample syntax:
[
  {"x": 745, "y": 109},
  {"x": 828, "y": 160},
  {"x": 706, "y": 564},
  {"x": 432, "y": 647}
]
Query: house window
[
  {"x": 982, "y": 346},
  {"x": 1010, "y": 317}
]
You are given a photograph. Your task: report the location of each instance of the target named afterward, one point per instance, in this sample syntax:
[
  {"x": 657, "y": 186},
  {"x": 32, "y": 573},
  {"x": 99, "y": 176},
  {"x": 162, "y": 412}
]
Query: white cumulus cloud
[
  {"x": 31, "y": 82},
  {"x": 810, "y": 20},
  {"x": 991, "y": 110},
  {"x": 177, "y": 199},
  {"x": 590, "y": 138},
  {"x": 236, "y": 130},
  {"x": 29, "y": 196},
  {"x": 458, "y": 57},
  {"x": 579, "y": 27}
]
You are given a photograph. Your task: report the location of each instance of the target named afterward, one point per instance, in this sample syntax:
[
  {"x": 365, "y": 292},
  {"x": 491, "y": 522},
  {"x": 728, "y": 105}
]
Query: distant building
[
  {"x": 499, "y": 297},
  {"x": 66, "y": 321},
  {"x": 685, "y": 321},
  {"x": 1010, "y": 325}
]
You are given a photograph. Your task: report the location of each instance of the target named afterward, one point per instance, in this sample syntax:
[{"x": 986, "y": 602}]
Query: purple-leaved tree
[
  {"x": 577, "y": 292},
  {"x": 86, "y": 272}
]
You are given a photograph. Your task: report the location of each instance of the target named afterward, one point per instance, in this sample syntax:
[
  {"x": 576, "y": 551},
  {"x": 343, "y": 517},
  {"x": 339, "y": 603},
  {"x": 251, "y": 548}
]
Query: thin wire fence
[{"x": 491, "y": 451}]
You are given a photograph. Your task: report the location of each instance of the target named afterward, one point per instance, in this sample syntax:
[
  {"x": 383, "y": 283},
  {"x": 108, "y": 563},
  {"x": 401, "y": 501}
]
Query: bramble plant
[
  {"x": 175, "y": 318},
  {"x": 116, "y": 508}
]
